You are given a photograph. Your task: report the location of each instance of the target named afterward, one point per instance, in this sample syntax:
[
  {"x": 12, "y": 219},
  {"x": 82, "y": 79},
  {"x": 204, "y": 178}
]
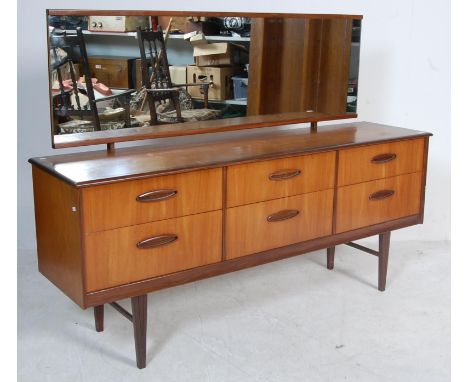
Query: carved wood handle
[
  {"x": 156, "y": 195},
  {"x": 157, "y": 241},
  {"x": 382, "y": 194},
  {"x": 383, "y": 158},
  {"x": 282, "y": 215},
  {"x": 284, "y": 174}
]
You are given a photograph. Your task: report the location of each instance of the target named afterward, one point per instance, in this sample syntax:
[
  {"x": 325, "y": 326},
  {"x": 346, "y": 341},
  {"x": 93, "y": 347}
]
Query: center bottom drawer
[
  {"x": 139, "y": 252},
  {"x": 266, "y": 225}
]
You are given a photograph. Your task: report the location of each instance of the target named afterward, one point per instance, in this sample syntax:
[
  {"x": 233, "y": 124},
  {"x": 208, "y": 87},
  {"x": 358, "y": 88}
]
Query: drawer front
[
  {"x": 267, "y": 180},
  {"x": 362, "y": 164},
  {"x": 378, "y": 201},
  {"x": 266, "y": 225},
  {"x": 136, "y": 253},
  {"x": 141, "y": 201}
]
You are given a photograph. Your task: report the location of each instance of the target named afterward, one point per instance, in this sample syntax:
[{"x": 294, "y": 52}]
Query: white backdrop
[{"x": 404, "y": 80}]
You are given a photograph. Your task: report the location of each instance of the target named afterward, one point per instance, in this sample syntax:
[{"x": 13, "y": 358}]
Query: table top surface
[{"x": 172, "y": 155}]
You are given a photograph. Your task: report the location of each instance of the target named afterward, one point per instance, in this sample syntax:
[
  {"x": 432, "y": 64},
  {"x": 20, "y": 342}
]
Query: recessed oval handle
[
  {"x": 284, "y": 174},
  {"x": 382, "y": 194},
  {"x": 157, "y": 241},
  {"x": 282, "y": 215},
  {"x": 383, "y": 158},
  {"x": 156, "y": 195}
]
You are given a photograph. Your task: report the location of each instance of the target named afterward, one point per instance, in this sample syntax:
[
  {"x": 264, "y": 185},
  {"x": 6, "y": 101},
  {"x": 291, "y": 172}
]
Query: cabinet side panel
[
  {"x": 58, "y": 233},
  {"x": 424, "y": 177}
]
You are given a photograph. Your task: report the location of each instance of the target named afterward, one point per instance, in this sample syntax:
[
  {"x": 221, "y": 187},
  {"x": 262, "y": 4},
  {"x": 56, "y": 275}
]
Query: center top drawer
[
  {"x": 272, "y": 179},
  {"x": 141, "y": 201}
]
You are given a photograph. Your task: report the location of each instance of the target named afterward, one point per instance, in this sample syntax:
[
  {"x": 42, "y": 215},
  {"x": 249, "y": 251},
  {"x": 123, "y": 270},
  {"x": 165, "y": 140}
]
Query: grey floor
[{"x": 292, "y": 320}]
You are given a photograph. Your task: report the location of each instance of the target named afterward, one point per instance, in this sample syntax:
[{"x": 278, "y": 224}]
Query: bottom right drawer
[{"x": 374, "y": 202}]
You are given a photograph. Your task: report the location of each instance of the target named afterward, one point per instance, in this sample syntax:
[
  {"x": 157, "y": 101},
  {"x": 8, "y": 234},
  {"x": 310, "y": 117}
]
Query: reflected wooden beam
[{"x": 192, "y": 128}]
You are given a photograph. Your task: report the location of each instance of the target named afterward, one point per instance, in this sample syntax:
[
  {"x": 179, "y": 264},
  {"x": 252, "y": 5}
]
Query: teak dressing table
[{"x": 121, "y": 223}]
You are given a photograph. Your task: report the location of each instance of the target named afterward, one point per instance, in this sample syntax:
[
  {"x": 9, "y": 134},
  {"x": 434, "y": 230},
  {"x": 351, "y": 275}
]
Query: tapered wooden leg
[
  {"x": 330, "y": 257},
  {"x": 139, "y": 308},
  {"x": 384, "y": 246},
  {"x": 99, "y": 318}
]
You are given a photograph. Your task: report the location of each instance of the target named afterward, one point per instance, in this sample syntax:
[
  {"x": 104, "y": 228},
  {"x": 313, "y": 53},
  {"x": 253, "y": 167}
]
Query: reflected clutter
[{"x": 118, "y": 72}]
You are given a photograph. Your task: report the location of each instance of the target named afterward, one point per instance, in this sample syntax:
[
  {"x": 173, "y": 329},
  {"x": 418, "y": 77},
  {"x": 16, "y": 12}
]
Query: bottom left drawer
[{"x": 139, "y": 252}]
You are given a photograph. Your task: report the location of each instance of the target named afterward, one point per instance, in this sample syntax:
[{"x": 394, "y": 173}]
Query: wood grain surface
[
  {"x": 248, "y": 230},
  {"x": 111, "y": 267},
  {"x": 58, "y": 233},
  {"x": 113, "y": 258},
  {"x": 294, "y": 45},
  {"x": 112, "y": 206},
  {"x": 251, "y": 182},
  {"x": 211, "y": 270},
  {"x": 98, "y": 167},
  {"x": 355, "y": 208},
  {"x": 335, "y": 53},
  {"x": 356, "y": 165},
  {"x": 192, "y": 128}
]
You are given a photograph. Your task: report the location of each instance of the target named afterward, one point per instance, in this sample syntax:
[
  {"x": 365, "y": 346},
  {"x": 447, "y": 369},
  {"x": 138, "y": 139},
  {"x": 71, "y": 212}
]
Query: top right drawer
[{"x": 361, "y": 164}]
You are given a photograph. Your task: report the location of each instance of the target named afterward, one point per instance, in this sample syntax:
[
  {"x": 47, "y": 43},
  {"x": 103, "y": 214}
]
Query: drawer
[
  {"x": 139, "y": 252},
  {"x": 378, "y": 201},
  {"x": 266, "y": 180},
  {"x": 141, "y": 201},
  {"x": 384, "y": 160},
  {"x": 276, "y": 223}
]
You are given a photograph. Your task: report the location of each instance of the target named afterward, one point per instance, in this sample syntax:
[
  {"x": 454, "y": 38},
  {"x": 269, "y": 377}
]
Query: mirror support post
[
  {"x": 110, "y": 147},
  {"x": 313, "y": 127}
]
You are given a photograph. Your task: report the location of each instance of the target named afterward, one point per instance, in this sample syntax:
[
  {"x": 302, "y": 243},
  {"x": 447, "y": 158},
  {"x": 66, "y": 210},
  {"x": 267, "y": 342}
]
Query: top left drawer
[{"x": 133, "y": 202}]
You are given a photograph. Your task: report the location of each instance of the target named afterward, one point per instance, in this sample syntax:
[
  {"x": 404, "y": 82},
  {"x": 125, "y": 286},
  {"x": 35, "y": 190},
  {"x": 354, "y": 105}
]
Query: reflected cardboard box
[
  {"x": 178, "y": 74},
  {"x": 188, "y": 24},
  {"x": 219, "y": 53},
  {"x": 117, "y": 23},
  {"x": 222, "y": 88}
]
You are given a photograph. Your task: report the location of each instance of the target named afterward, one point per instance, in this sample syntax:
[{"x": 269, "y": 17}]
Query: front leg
[
  {"x": 384, "y": 248},
  {"x": 139, "y": 309},
  {"x": 99, "y": 318},
  {"x": 330, "y": 257}
]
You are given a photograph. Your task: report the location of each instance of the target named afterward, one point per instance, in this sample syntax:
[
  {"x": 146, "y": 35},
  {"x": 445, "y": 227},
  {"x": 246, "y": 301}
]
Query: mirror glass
[{"x": 120, "y": 72}]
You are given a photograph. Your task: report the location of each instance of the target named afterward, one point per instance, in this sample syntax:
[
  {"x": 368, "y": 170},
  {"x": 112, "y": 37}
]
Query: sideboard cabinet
[{"x": 120, "y": 224}]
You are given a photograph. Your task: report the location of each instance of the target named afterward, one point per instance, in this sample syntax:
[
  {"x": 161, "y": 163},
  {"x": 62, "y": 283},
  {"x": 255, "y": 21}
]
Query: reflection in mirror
[{"x": 117, "y": 72}]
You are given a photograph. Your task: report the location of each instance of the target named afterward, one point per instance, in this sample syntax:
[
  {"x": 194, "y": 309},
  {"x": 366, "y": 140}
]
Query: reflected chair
[
  {"x": 158, "y": 84},
  {"x": 65, "y": 51}
]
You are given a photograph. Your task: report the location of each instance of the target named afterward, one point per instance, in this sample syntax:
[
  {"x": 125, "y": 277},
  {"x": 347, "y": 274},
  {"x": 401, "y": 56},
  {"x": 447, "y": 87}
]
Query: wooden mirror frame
[{"x": 111, "y": 137}]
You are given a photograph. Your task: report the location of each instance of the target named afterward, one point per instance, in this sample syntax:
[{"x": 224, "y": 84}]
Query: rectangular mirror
[{"x": 122, "y": 72}]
